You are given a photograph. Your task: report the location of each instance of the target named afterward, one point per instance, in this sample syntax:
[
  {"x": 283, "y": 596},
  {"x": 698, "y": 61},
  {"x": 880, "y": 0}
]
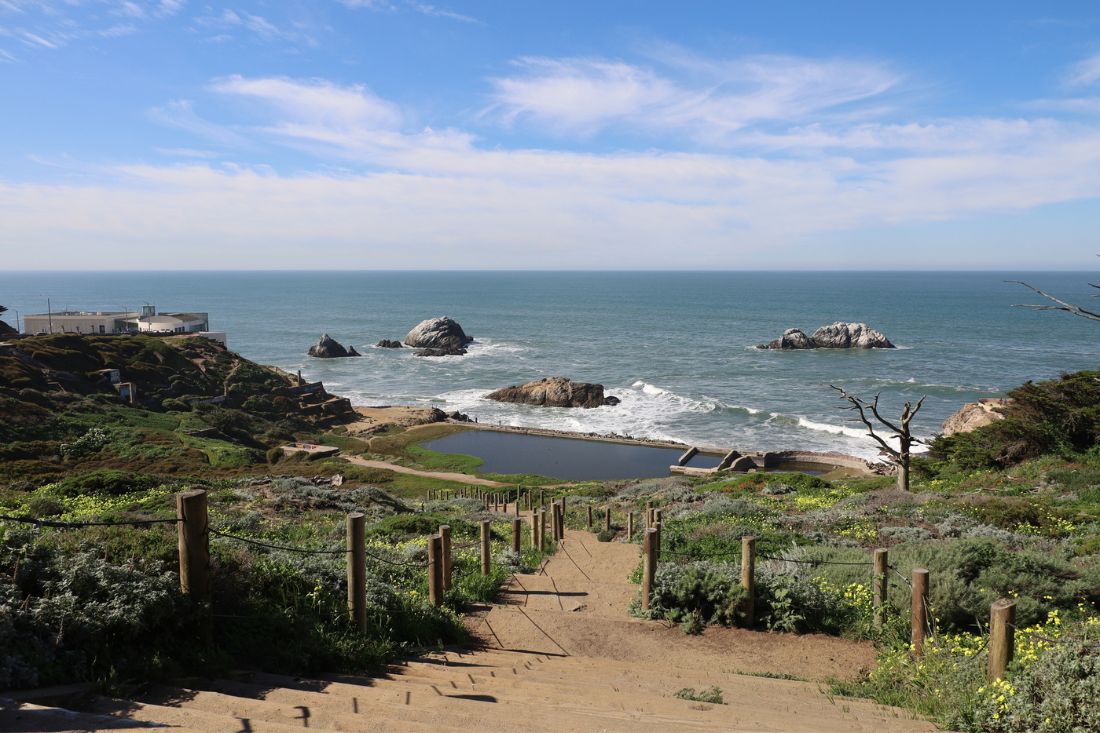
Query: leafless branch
[
  {"x": 1061, "y": 304},
  {"x": 861, "y": 406}
]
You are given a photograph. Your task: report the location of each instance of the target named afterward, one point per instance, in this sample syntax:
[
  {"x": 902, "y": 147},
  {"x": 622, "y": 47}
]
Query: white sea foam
[{"x": 831, "y": 429}]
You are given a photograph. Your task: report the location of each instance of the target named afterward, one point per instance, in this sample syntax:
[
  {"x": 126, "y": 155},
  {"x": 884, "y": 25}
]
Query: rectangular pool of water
[{"x": 564, "y": 458}]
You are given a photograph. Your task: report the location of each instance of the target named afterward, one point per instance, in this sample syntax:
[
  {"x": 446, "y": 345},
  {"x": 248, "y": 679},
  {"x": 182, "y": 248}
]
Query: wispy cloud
[
  {"x": 439, "y": 196},
  {"x": 229, "y": 21},
  {"x": 709, "y": 99},
  {"x": 1085, "y": 72},
  {"x": 423, "y": 8},
  {"x": 180, "y": 114},
  {"x": 54, "y": 24}
]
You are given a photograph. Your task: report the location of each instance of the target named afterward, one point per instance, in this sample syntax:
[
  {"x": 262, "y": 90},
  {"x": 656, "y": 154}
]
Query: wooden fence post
[
  {"x": 920, "y": 610},
  {"x": 589, "y": 517},
  {"x": 517, "y": 529},
  {"x": 535, "y": 539},
  {"x": 607, "y": 518},
  {"x": 1002, "y": 636},
  {"x": 629, "y": 526},
  {"x": 649, "y": 566},
  {"x": 648, "y": 514},
  {"x": 485, "y": 559},
  {"x": 880, "y": 584},
  {"x": 748, "y": 577},
  {"x": 556, "y": 507},
  {"x": 435, "y": 570},
  {"x": 448, "y": 561},
  {"x": 194, "y": 544},
  {"x": 357, "y": 569},
  {"x": 542, "y": 529}
]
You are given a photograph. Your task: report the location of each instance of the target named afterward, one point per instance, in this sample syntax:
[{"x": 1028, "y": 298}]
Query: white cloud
[
  {"x": 706, "y": 99},
  {"x": 406, "y": 196},
  {"x": 315, "y": 103},
  {"x": 423, "y": 8},
  {"x": 1085, "y": 72},
  {"x": 180, "y": 114},
  {"x": 54, "y": 24},
  {"x": 230, "y": 21}
]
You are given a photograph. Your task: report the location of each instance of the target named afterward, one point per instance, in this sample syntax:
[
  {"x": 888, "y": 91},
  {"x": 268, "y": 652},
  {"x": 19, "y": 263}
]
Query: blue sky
[{"x": 616, "y": 135}]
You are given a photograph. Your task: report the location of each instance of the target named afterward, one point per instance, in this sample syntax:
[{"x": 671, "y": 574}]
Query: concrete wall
[{"x": 82, "y": 323}]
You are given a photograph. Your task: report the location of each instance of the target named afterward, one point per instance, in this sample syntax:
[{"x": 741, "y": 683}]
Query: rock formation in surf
[
  {"x": 438, "y": 337},
  {"x": 388, "y": 344},
  {"x": 555, "y": 392},
  {"x": 838, "y": 335},
  {"x": 329, "y": 348}
]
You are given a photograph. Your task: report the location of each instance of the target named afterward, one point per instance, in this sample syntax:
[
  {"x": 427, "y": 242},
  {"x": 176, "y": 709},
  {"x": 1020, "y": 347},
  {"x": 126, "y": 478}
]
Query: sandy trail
[{"x": 558, "y": 653}]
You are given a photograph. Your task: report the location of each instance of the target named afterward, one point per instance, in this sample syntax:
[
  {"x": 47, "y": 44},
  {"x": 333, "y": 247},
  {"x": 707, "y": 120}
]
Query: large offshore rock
[
  {"x": 554, "y": 392},
  {"x": 442, "y": 334},
  {"x": 838, "y": 335},
  {"x": 329, "y": 348},
  {"x": 842, "y": 335}
]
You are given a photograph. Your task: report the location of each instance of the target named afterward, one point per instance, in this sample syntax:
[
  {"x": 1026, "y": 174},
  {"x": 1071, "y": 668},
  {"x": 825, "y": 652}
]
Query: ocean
[{"x": 675, "y": 347}]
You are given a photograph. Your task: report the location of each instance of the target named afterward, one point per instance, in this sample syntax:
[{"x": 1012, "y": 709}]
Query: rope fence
[
  {"x": 80, "y": 525},
  {"x": 194, "y": 558}
]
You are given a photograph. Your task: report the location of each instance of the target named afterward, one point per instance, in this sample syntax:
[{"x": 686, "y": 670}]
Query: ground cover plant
[{"x": 1027, "y": 530}]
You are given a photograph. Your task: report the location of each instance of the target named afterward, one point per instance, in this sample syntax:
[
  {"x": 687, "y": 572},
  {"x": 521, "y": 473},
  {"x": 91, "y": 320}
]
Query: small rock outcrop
[
  {"x": 838, "y": 335},
  {"x": 329, "y": 348},
  {"x": 554, "y": 392},
  {"x": 442, "y": 336},
  {"x": 974, "y": 415},
  {"x": 388, "y": 344}
]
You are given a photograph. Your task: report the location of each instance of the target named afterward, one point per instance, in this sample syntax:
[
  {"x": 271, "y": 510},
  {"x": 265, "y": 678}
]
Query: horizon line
[{"x": 547, "y": 270}]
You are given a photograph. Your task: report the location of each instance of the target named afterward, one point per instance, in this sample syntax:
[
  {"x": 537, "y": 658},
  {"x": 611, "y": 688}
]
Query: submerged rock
[
  {"x": 442, "y": 336},
  {"x": 329, "y": 348},
  {"x": 440, "y": 352},
  {"x": 388, "y": 344},
  {"x": 555, "y": 392},
  {"x": 838, "y": 335}
]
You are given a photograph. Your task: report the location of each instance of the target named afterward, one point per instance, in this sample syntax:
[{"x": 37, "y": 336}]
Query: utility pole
[{"x": 49, "y": 314}]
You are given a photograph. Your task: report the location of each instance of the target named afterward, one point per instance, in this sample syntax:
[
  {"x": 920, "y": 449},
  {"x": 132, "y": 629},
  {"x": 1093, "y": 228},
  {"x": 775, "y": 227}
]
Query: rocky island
[
  {"x": 329, "y": 348},
  {"x": 555, "y": 392},
  {"x": 438, "y": 337},
  {"x": 838, "y": 335}
]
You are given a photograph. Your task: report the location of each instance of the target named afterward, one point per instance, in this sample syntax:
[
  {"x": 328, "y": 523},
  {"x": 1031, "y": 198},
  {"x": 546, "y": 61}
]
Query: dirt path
[
  {"x": 578, "y": 607},
  {"x": 558, "y": 653},
  {"x": 462, "y": 478}
]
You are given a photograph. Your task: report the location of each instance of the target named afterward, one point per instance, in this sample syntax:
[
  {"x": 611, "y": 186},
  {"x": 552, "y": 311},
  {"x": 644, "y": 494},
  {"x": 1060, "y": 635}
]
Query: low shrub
[{"x": 712, "y": 695}]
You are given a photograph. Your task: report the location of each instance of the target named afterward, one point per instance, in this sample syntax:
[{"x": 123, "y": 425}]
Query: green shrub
[
  {"x": 712, "y": 695},
  {"x": 1059, "y": 416},
  {"x": 1059, "y": 693},
  {"x": 87, "y": 444},
  {"x": 105, "y": 482}
]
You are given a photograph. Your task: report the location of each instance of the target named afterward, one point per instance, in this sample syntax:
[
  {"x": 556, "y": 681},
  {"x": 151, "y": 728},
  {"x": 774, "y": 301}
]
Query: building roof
[{"x": 86, "y": 314}]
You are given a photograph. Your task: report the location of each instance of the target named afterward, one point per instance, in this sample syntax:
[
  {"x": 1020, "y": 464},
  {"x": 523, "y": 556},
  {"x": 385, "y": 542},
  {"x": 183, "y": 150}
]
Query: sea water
[{"x": 677, "y": 348}]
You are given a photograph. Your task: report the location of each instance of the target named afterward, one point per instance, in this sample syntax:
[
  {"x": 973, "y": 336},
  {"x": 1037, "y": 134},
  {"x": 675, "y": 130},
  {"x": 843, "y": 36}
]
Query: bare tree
[
  {"x": 1059, "y": 305},
  {"x": 901, "y": 455}
]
